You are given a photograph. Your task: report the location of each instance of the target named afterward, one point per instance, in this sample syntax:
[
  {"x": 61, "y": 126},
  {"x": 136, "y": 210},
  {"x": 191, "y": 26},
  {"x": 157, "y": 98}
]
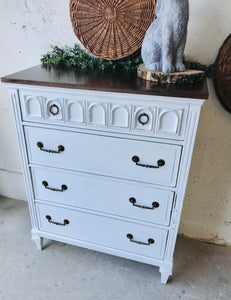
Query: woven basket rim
[
  {"x": 222, "y": 61},
  {"x": 111, "y": 32}
]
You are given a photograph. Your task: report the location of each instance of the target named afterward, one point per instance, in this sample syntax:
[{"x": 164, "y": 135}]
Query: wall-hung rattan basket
[
  {"x": 222, "y": 78},
  {"x": 111, "y": 29}
]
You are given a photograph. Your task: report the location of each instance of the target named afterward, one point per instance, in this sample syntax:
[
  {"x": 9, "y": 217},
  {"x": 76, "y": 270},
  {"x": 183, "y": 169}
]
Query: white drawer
[
  {"x": 102, "y": 194},
  {"x": 113, "y": 112},
  {"x": 103, "y": 231},
  {"x": 104, "y": 155}
]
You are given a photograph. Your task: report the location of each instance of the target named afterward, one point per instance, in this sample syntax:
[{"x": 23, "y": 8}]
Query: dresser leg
[
  {"x": 37, "y": 239},
  {"x": 39, "y": 243},
  {"x": 164, "y": 277},
  {"x": 166, "y": 272}
]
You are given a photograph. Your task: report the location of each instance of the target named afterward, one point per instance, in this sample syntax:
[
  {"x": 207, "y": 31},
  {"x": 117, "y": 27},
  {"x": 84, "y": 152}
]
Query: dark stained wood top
[{"x": 108, "y": 81}]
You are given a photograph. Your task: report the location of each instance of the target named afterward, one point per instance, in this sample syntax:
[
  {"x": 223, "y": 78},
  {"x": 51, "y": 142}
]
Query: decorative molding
[
  {"x": 169, "y": 121},
  {"x": 108, "y": 100},
  {"x": 138, "y": 111},
  {"x": 120, "y": 116},
  {"x": 97, "y": 114},
  {"x": 48, "y": 112},
  {"x": 74, "y": 111},
  {"x": 33, "y": 106}
]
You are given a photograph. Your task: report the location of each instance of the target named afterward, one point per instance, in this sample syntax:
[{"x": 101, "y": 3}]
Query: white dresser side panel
[
  {"x": 23, "y": 152},
  {"x": 187, "y": 152}
]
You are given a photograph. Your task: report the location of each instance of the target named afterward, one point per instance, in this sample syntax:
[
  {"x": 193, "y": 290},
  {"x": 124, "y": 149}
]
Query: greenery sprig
[
  {"x": 195, "y": 65},
  {"x": 77, "y": 58}
]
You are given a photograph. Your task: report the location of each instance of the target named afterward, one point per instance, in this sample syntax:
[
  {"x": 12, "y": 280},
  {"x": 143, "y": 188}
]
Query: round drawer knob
[
  {"x": 143, "y": 119},
  {"x": 54, "y": 109},
  {"x": 151, "y": 241},
  {"x": 161, "y": 162},
  {"x": 135, "y": 159},
  {"x": 155, "y": 204},
  {"x": 40, "y": 145},
  {"x": 129, "y": 236},
  {"x": 61, "y": 148}
]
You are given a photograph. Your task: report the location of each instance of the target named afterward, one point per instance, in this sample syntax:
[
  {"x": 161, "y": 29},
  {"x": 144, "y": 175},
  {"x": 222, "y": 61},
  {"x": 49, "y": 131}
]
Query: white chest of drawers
[{"x": 106, "y": 159}]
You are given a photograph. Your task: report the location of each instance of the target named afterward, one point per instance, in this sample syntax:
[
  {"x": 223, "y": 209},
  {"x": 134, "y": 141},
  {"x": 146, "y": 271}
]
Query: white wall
[
  {"x": 207, "y": 206},
  {"x": 29, "y": 27}
]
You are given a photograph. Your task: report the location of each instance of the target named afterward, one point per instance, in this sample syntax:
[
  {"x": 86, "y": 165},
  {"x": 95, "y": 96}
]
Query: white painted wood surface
[
  {"x": 99, "y": 193},
  {"x": 105, "y": 110},
  {"x": 101, "y": 132},
  {"x": 103, "y": 230},
  {"x": 104, "y": 155}
]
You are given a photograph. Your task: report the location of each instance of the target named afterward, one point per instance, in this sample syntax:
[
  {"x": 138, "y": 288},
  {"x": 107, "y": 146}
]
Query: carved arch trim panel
[
  {"x": 97, "y": 114},
  {"x": 33, "y": 107},
  {"x": 169, "y": 121},
  {"x": 120, "y": 116},
  {"x": 75, "y": 111}
]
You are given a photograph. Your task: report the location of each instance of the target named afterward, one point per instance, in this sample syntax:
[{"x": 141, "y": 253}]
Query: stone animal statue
[{"x": 164, "y": 42}]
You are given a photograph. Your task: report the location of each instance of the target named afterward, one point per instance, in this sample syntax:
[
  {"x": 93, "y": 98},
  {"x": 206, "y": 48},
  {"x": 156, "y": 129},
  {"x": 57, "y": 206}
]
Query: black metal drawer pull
[
  {"x": 160, "y": 163},
  {"x": 65, "y": 222},
  {"x": 130, "y": 237},
  {"x": 143, "y": 119},
  {"x": 54, "y": 109},
  {"x": 63, "y": 187},
  {"x": 60, "y": 148},
  {"x": 154, "y": 204}
]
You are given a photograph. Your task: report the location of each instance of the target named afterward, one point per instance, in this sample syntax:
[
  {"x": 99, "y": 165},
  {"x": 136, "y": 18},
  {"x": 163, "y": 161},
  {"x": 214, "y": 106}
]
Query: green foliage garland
[
  {"x": 194, "y": 65},
  {"x": 77, "y": 58}
]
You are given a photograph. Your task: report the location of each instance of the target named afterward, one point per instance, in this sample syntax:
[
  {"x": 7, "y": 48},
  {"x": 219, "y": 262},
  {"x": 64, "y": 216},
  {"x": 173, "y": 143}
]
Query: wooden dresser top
[{"x": 107, "y": 81}]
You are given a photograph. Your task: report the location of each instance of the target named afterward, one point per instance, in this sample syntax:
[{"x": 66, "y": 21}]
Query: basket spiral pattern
[
  {"x": 111, "y": 29},
  {"x": 222, "y": 78}
]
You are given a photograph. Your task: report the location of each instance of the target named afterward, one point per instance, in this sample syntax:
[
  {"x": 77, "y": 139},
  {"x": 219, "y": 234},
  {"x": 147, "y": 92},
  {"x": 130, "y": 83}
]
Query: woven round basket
[
  {"x": 111, "y": 29},
  {"x": 222, "y": 78}
]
